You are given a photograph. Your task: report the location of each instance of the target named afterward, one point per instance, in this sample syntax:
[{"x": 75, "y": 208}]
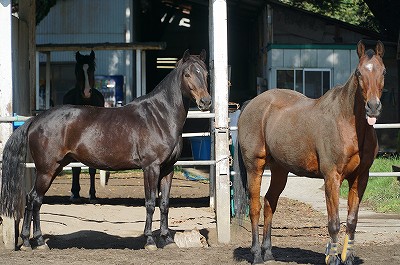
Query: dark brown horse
[
  {"x": 84, "y": 93},
  {"x": 146, "y": 133},
  {"x": 331, "y": 138}
]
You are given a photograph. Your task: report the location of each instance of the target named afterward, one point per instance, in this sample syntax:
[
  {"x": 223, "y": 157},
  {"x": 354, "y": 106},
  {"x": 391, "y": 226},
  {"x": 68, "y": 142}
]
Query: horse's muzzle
[
  {"x": 204, "y": 103},
  {"x": 373, "y": 108}
]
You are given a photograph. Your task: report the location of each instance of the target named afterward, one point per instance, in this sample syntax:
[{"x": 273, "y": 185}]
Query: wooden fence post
[
  {"x": 6, "y": 108},
  {"x": 219, "y": 86}
]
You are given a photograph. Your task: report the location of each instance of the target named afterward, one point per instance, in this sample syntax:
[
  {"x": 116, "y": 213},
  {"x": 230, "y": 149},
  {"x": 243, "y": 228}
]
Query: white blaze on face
[
  {"x": 86, "y": 91},
  {"x": 369, "y": 67}
]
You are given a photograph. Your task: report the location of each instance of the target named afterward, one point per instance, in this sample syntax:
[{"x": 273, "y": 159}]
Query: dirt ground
[{"x": 110, "y": 232}]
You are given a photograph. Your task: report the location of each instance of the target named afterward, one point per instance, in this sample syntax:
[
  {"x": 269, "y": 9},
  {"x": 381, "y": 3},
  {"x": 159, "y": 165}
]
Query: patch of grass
[{"x": 382, "y": 193}]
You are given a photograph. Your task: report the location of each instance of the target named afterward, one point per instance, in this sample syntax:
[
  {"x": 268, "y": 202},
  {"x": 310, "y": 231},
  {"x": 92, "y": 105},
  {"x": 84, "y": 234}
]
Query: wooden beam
[
  {"x": 6, "y": 108},
  {"x": 219, "y": 87},
  {"x": 100, "y": 46}
]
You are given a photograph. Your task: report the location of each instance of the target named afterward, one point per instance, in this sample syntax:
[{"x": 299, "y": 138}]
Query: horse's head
[
  {"x": 194, "y": 79},
  {"x": 84, "y": 73},
  {"x": 370, "y": 74}
]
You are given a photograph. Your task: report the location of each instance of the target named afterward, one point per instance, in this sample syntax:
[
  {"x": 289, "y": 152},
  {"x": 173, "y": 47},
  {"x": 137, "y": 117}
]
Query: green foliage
[
  {"x": 382, "y": 193},
  {"x": 42, "y": 8},
  {"x": 354, "y": 12}
]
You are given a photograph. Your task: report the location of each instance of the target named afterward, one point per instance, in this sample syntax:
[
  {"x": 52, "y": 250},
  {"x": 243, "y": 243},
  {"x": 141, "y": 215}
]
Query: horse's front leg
[
  {"x": 165, "y": 188},
  {"x": 151, "y": 174},
  {"x": 75, "y": 187},
  {"x": 356, "y": 191},
  {"x": 332, "y": 185}
]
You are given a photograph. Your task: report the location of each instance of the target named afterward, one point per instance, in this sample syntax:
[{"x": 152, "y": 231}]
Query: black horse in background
[{"x": 84, "y": 93}]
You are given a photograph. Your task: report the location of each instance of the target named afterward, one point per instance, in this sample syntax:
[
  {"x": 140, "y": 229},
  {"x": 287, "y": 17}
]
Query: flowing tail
[
  {"x": 240, "y": 187},
  {"x": 13, "y": 171}
]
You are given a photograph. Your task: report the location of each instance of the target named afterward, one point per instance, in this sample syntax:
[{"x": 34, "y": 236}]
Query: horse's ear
[
  {"x": 186, "y": 55},
  {"x": 203, "y": 55},
  {"x": 380, "y": 49},
  {"x": 360, "y": 49},
  {"x": 92, "y": 56},
  {"x": 77, "y": 56}
]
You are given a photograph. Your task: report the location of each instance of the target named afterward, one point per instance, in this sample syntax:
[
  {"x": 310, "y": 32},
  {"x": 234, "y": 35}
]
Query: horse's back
[{"x": 270, "y": 104}]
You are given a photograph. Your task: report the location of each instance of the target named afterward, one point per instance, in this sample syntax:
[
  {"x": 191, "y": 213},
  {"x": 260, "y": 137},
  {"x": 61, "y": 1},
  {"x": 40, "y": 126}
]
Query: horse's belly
[{"x": 301, "y": 166}]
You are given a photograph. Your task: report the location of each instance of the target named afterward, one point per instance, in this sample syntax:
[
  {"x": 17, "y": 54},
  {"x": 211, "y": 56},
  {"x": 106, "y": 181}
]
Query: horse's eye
[
  {"x": 357, "y": 73},
  {"x": 187, "y": 75}
]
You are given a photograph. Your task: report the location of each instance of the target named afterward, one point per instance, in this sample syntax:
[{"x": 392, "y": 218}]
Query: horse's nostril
[{"x": 206, "y": 101}]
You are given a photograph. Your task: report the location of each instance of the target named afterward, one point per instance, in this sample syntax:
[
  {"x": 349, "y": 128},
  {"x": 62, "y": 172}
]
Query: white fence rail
[
  {"x": 202, "y": 115},
  {"x": 191, "y": 115}
]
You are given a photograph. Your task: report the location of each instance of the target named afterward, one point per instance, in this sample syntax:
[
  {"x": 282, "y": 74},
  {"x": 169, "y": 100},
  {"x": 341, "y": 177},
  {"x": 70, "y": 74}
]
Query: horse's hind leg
[
  {"x": 254, "y": 176},
  {"x": 278, "y": 182},
  {"x": 26, "y": 224},
  {"x": 92, "y": 190},
  {"x": 34, "y": 201},
  {"x": 165, "y": 188}
]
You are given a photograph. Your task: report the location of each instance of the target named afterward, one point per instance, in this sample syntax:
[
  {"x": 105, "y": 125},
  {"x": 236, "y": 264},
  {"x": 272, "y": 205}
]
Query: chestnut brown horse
[
  {"x": 146, "y": 133},
  {"x": 331, "y": 138}
]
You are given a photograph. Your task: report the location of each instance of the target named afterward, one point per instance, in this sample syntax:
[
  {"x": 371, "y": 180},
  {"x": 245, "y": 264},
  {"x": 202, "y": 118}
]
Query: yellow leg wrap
[
  {"x": 347, "y": 247},
  {"x": 331, "y": 250}
]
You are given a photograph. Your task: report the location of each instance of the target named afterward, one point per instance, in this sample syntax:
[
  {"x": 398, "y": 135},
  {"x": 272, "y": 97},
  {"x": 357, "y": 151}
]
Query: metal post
[
  {"x": 37, "y": 83},
  {"x": 143, "y": 65},
  {"x": 48, "y": 79},
  {"x": 6, "y": 106},
  {"x": 138, "y": 73},
  {"x": 219, "y": 76}
]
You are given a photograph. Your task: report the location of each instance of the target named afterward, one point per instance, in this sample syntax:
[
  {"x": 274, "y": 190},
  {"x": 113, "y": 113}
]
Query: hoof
[
  {"x": 332, "y": 260},
  {"x": 268, "y": 258},
  {"x": 349, "y": 260},
  {"x": 150, "y": 247},
  {"x": 93, "y": 200},
  {"x": 25, "y": 248},
  {"x": 75, "y": 199},
  {"x": 258, "y": 260},
  {"x": 43, "y": 247},
  {"x": 171, "y": 245}
]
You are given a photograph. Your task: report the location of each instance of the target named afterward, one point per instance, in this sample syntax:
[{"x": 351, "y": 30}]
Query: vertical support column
[
  {"x": 33, "y": 56},
  {"x": 219, "y": 77},
  {"x": 143, "y": 65},
  {"x": 48, "y": 78},
  {"x": 6, "y": 107},
  {"x": 128, "y": 53},
  {"x": 36, "y": 106},
  {"x": 138, "y": 73}
]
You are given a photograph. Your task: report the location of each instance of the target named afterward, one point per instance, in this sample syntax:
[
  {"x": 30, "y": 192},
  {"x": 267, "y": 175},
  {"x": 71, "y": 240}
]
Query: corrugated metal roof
[{"x": 84, "y": 21}]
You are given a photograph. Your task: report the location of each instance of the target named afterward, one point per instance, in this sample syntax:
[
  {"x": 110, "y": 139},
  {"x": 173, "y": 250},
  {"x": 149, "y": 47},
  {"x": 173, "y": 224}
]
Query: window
[{"x": 309, "y": 81}]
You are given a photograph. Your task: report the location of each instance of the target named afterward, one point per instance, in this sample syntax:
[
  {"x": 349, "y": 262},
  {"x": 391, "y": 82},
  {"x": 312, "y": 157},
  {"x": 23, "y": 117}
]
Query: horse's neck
[
  {"x": 353, "y": 103},
  {"x": 169, "y": 95}
]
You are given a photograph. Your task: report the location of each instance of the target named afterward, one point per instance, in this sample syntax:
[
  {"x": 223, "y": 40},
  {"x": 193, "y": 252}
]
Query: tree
[
  {"x": 354, "y": 12},
  {"x": 387, "y": 12},
  {"x": 42, "y": 8}
]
